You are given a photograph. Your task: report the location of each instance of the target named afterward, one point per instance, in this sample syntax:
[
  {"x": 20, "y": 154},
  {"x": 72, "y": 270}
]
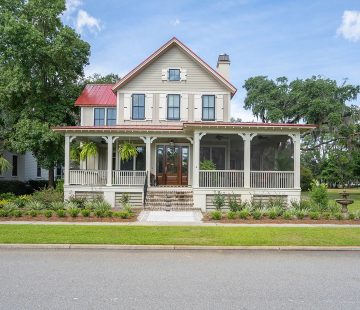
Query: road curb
[{"x": 178, "y": 247}]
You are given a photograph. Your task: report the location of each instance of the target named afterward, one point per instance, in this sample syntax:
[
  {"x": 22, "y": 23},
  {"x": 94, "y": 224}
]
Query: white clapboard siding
[
  {"x": 148, "y": 106},
  {"x": 162, "y": 107},
  {"x": 127, "y": 106},
  {"x": 219, "y": 108},
  {"x": 197, "y": 107},
  {"x": 164, "y": 74},
  {"x": 183, "y": 74},
  {"x": 184, "y": 108}
]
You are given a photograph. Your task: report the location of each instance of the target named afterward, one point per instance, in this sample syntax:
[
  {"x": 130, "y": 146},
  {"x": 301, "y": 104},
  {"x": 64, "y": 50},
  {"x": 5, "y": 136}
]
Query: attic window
[{"x": 174, "y": 74}]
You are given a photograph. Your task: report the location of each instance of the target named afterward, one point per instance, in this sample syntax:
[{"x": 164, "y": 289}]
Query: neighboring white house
[
  {"x": 176, "y": 109},
  {"x": 24, "y": 167}
]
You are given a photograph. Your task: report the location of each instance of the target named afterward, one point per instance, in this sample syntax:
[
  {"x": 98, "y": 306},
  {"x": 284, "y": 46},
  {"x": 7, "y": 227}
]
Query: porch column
[
  {"x": 196, "y": 160},
  {"x": 67, "y": 160},
  {"x": 247, "y": 137},
  {"x": 148, "y": 158},
  {"x": 109, "y": 160},
  {"x": 296, "y": 141}
]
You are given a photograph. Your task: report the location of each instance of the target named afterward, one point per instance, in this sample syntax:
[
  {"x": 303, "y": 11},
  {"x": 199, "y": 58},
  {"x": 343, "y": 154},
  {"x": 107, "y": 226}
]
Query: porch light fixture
[{"x": 172, "y": 143}]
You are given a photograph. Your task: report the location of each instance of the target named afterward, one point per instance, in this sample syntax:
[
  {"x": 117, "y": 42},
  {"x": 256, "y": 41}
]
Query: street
[{"x": 115, "y": 279}]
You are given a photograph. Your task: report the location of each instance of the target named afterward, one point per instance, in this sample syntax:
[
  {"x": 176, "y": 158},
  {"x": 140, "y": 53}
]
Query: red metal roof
[{"x": 97, "y": 95}]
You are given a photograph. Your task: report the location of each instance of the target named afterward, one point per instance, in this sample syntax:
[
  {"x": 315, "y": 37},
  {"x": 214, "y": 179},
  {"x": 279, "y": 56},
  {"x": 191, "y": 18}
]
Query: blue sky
[{"x": 290, "y": 38}]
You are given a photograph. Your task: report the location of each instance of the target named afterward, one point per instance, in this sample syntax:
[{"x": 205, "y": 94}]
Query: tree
[
  {"x": 97, "y": 78},
  {"x": 41, "y": 62}
]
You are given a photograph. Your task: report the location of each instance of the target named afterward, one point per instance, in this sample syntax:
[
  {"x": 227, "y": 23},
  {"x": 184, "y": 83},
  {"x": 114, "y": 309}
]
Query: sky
[{"x": 293, "y": 38}]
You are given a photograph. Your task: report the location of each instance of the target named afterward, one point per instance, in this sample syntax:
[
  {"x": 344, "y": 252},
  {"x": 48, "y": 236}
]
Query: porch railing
[
  {"x": 272, "y": 179},
  {"x": 87, "y": 177},
  {"x": 122, "y": 177},
  {"x": 221, "y": 178}
]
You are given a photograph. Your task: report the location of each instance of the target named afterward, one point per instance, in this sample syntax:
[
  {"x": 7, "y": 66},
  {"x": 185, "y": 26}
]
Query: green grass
[
  {"x": 156, "y": 235},
  {"x": 334, "y": 194}
]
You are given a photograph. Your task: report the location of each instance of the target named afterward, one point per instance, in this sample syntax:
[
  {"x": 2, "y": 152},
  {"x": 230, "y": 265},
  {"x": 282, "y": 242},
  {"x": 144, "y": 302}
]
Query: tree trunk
[{"x": 51, "y": 177}]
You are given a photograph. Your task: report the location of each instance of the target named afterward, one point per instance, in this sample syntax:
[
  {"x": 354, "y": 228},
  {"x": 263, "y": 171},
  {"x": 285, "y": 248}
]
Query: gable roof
[
  {"x": 97, "y": 95},
  {"x": 162, "y": 50}
]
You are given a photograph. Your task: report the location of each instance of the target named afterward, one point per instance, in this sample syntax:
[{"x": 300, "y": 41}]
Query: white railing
[
  {"x": 272, "y": 179},
  {"x": 87, "y": 177},
  {"x": 121, "y": 177},
  {"x": 221, "y": 178}
]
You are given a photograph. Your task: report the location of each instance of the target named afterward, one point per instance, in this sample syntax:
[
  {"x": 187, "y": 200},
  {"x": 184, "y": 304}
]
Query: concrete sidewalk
[{"x": 173, "y": 224}]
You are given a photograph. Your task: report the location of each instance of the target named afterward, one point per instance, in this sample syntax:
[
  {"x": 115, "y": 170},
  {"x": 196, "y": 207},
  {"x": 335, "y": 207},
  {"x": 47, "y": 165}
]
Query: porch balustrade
[
  {"x": 221, "y": 178},
  {"x": 272, "y": 179},
  {"x": 87, "y": 177},
  {"x": 122, "y": 177}
]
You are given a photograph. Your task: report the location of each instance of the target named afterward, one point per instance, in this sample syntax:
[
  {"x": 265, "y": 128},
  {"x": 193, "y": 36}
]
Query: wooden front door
[{"x": 172, "y": 165}]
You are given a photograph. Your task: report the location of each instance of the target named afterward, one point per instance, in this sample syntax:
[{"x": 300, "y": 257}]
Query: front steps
[{"x": 169, "y": 199}]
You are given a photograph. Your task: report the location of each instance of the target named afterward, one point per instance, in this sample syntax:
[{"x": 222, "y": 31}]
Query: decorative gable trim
[{"x": 161, "y": 50}]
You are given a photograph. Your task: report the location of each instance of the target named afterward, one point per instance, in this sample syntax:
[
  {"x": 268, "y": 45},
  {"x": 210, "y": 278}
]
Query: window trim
[
  {"x": 177, "y": 69},
  {"x": 202, "y": 108},
  {"x": 167, "y": 107},
  {"x": 132, "y": 106}
]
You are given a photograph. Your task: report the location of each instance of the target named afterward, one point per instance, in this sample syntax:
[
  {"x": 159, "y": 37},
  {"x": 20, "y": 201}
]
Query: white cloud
[
  {"x": 350, "y": 26},
  {"x": 175, "y": 22},
  {"x": 85, "y": 20},
  {"x": 72, "y": 5}
]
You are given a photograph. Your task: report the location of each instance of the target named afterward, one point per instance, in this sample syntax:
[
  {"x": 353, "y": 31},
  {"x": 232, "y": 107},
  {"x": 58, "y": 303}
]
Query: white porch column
[
  {"x": 67, "y": 160},
  {"x": 247, "y": 137},
  {"x": 297, "y": 141},
  {"x": 196, "y": 159},
  {"x": 109, "y": 160}
]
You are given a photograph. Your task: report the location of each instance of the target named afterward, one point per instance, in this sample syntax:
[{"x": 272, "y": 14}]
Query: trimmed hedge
[{"x": 21, "y": 188}]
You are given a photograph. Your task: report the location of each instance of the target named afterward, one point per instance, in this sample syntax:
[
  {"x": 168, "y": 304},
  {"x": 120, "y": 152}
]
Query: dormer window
[{"x": 174, "y": 74}]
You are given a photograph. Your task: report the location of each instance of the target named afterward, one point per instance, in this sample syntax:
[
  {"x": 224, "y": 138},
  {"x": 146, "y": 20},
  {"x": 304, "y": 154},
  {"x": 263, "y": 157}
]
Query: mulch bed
[{"x": 207, "y": 219}]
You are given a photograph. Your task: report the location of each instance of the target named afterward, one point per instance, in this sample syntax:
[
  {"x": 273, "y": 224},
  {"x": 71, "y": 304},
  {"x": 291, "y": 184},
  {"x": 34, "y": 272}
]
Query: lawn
[
  {"x": 334, "y": 194},
  {"x": 186, "y": 235}
]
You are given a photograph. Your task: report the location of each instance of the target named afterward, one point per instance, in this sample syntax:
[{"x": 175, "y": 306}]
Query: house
[
  {"x": 175, "y": 109},
  {"x": 24, "y": 167}
]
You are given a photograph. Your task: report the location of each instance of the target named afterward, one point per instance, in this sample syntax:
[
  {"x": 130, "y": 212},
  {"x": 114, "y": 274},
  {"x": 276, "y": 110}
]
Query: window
[
  {"x": 214, "y": 153},
  {"x": 99, "y": 117},
  {"x": 208, "y": 108},
  {"x": 174, "y": 74},
  {"x": 111, "y": 117},
  {"x": 38, "y": 170},
  {"x": 173, "y": 107},
  {"x": 138, "y": 106},
  {"x": 135, "y": 163},
  {"x": 14, "y": 166}
]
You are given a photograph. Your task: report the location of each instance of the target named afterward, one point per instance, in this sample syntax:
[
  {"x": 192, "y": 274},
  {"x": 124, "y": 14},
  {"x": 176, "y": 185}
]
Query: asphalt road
[{"x": 107, "y": 279}]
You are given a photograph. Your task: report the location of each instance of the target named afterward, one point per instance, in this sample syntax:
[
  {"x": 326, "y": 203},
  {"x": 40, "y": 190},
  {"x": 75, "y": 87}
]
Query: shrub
[
  {"x": 122, "y": 214},
  {"x": 319, "y": 195},
  {"x": 231, "y": 215},
  {"x": 219, "y": 201},
  {"x": 124, "y": 199},
  {"x": 216, "y": 215},
  {"x": 4, "y": 213},
  {"x": 314, "y": 215},
  {"x": 351, "y": 216},
  {"x": 326, "y": 215},
  {"x": 73, "y": 211},
  {"x": 47, "y": 196},
  {"x": 276, "y": 210},
  {"x": 110, "y": 213},
  {"x": 37, "y": 185},
  {"x": 207, "y": 165},
  {"x": 339, "y": 216},
  {"x": 256, "y": 205},
  {"x": 300, "y": 214},
  {"x": 257, "y": 214},
  {"x": 14, "y": 187},
  {"x": 100, "y": 212},
  {"x": 303, "y": 204},
  {"x": 334, "y": 208},
  {"x": 17, "y": 213},
  {"x": 61, "y": 213},
  {"x": 48, "y": 213},
  {"x": 244, "y": 214},
  {"x": 233, "y": 204},
  {"x": 85, "y": 213},
  {"x": 10, "y": 206},
  {"x": 33, "y": 213},
  {"x": 287, "y": 215},
  {"x": 128, "y": 208},
  {"x": 306, "y": 178},
  {"x": 34, "y": 205},
  {"x": 57, "y": 205},
  {"x": 78, "y": 201},
  {"x": 272, "y": 214},
  {"x": 7, "y": 196}
]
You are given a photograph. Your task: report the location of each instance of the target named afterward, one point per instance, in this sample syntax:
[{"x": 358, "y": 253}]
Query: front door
[{"x": 172, "y": 165}]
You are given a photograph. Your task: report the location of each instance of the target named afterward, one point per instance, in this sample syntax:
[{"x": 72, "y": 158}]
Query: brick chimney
[{"x": 223, "y": 66}]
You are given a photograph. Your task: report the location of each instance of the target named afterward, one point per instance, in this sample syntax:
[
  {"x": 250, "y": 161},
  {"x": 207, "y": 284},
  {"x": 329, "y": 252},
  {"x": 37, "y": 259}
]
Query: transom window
[
  {"x": 208, "y": 107},
  {"x": 174, "y": 74},
  {"x": 173, "y": 107},
  {"x": 102, "y": 114},
  {"x": 138, "y": 106},
  {"x": 111, "y": 117}
]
